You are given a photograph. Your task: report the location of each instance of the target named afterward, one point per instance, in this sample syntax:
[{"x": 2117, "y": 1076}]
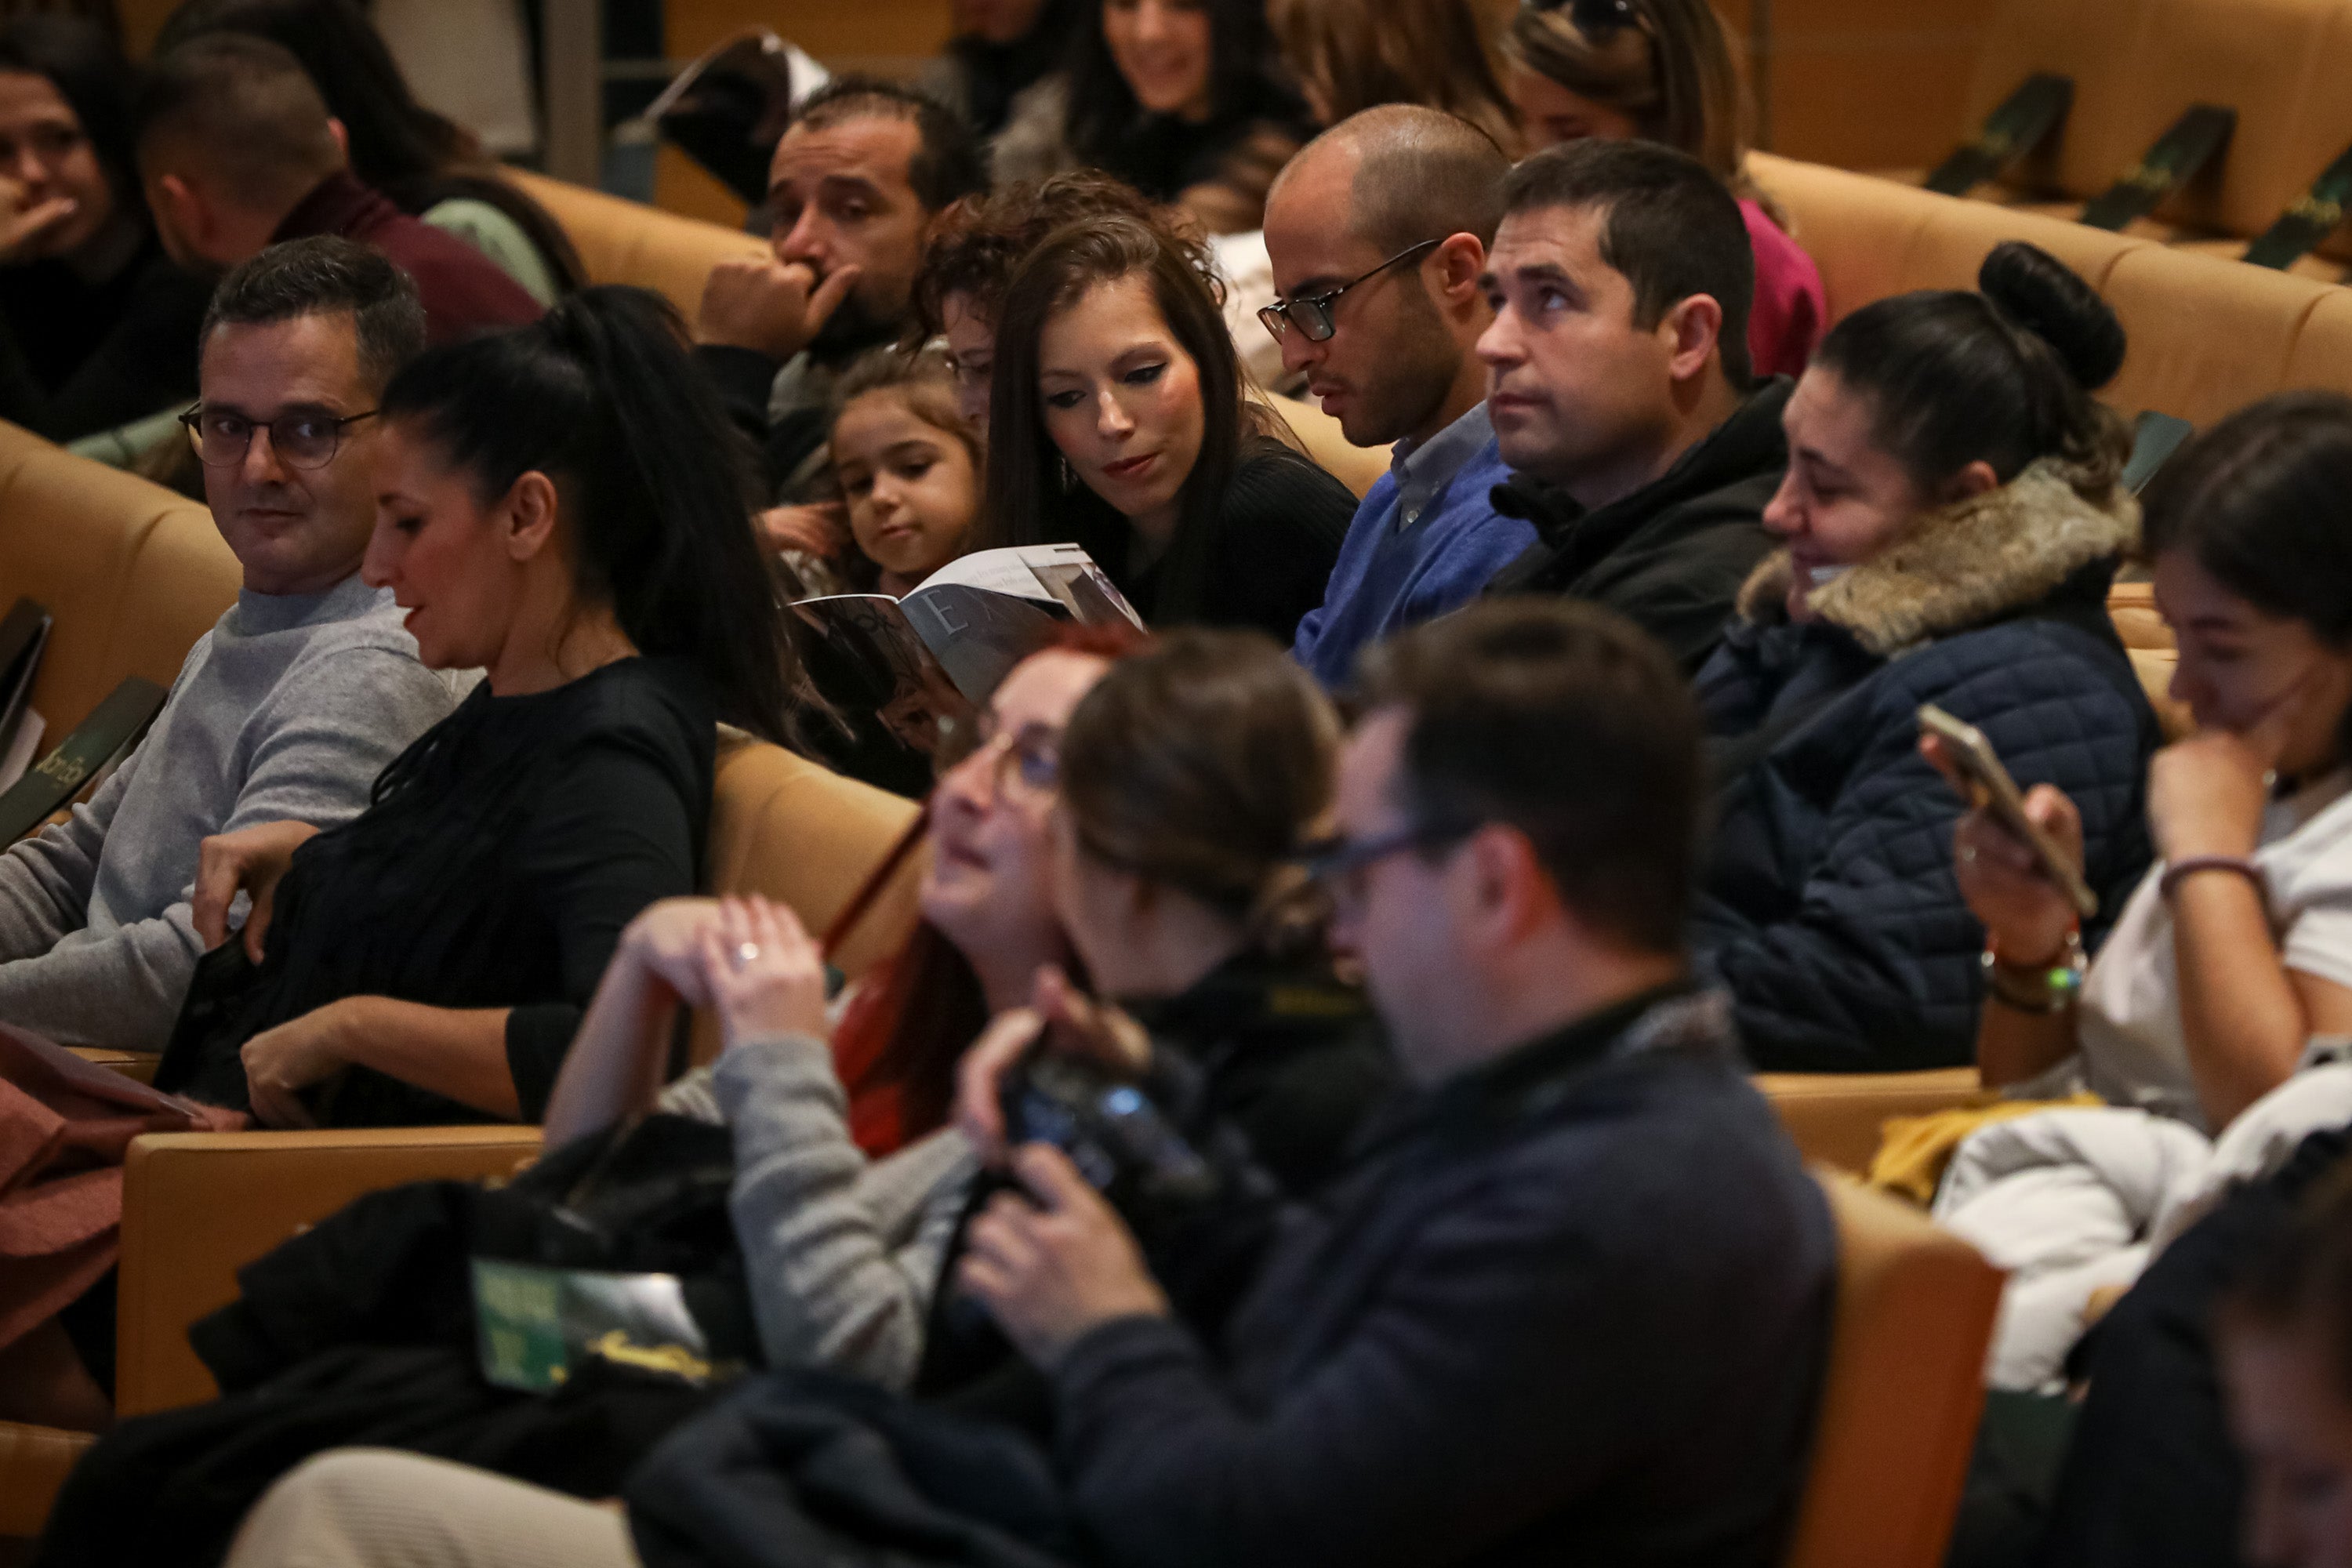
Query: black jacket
[
  {"x": 1672, "y": 555},
  {"x": 77, "y": 358},
  {"x": 1831, "y": 909}
]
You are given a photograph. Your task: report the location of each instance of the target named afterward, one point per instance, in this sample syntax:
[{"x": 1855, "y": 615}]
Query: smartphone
[{"x": 1988, "y": 787}]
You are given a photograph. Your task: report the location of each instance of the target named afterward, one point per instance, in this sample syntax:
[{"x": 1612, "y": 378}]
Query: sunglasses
[{"x": 1599, "y": 20}]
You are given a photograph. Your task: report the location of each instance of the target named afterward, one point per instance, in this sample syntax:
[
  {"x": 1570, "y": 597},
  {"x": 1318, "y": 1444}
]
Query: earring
[{"x": 1069, "y": 475}]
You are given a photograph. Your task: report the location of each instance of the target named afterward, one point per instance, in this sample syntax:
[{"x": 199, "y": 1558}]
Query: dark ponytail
[
  {"x": 599, "y": 395},
  {"x": 2003, "y": 376}
]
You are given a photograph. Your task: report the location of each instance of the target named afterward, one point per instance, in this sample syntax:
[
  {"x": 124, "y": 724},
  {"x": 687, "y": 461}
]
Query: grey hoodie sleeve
[
  {"x": 324, "y": 738},
  {"x": 842, "y": 1252}
]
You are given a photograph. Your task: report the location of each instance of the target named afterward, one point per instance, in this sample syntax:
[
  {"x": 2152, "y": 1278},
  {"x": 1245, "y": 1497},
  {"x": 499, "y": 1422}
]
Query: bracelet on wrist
[
  {"x": 2190, "y": 864},
  {"x": 2037, "y": 988}
]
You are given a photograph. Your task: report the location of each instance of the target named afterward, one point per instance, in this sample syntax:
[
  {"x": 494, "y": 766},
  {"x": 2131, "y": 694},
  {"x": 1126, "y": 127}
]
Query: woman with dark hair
[
  {"x": 1184, "y": 99},
  {"x": 99, "y": 327},
  {"x": 1952, "y": 516},
  {"x": 1117, "y": 421},
  {"x": 1662, "y": 70},
  {"x": 2234, "y": 951},
  {"x": 427, "y": 165},
  {"x": 563, "y": 507}
]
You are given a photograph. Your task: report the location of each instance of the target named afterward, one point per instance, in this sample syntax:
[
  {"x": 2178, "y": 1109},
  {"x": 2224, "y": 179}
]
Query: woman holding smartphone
[{"x": 1952, "y": 516}]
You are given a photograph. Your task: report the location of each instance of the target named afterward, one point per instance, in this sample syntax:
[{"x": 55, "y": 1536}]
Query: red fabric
[
  {"x": 878, "y": 1111},
  {"x": 61, "y": 1151},
  {"x": 1792, "y": 311},
  {"x": 463, "y": 291}
]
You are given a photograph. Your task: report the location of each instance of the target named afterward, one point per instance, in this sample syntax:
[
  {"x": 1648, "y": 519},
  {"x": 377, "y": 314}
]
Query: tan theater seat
[
  {"x": 132, "y": 573},
  {"x": 1904, "y": 1388},
  {"x": 1835, "y": 1118},
  {"x": 627, "y": 242}
]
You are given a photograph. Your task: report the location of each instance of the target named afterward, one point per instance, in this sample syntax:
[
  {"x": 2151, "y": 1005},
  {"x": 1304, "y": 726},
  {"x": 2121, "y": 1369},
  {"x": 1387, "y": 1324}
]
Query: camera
[{"x": 1120, "y": 1141}]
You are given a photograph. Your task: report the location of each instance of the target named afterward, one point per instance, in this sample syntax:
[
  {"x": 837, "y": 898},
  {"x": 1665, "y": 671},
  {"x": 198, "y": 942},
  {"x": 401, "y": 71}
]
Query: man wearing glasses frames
[
  {"x": 288, "y": 708},
  {"x": 1570, "y": 1302},
  {"x": 1378, "y": 233},
  {"x": 1619, "y": 387}
]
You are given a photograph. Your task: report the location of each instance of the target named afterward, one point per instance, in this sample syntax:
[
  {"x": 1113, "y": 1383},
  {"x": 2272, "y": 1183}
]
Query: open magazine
[{"x": 955, "y": 637}]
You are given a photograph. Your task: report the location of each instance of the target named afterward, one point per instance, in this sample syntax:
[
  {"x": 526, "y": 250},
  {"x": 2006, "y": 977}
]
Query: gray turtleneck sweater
[{"x": 288, "y": 708}]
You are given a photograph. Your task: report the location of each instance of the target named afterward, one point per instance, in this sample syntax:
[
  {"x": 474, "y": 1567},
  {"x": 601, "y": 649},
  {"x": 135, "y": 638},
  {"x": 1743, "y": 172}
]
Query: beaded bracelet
[
  {"x": 2053, "y": 987},
  {"x": 2196, "y": 863}
]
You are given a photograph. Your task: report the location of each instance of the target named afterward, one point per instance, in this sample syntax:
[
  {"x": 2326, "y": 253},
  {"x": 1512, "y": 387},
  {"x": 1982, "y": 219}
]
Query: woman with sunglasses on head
[
  {"x": 1117, "y": 422},
  {"x": 562, "y": 507},
  {"x": 97, "y": 328},
  {"x": 1662, "y": 70},
  {"x": 1184, "y": 99}
]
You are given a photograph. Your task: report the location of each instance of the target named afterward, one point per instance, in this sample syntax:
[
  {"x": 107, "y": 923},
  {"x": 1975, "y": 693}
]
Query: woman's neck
[
  {"x": 539, "y": 657},
  {"x": 1157, "y": 528},
  {"x": 1170, "y": 948},
  {"x": 1009, "y": 965},
  {"x": 107, "y": 251}
]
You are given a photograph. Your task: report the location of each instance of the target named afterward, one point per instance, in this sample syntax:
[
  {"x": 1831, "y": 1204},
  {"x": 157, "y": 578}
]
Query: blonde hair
[
  {"x": 1670, "y": 71},
  {"x": 1365, "y": 53}
]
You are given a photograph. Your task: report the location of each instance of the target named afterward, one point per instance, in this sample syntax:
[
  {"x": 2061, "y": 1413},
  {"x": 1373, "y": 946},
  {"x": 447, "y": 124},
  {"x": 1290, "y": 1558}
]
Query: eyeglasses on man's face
[
  {"x": 1311, "y": 314},
  {"x": 1338, "y": 864},
  {"x": 303, "y": 440}
]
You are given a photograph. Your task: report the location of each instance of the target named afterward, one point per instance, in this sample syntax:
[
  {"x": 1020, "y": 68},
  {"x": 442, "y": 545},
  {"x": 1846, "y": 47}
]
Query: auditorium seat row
[{"x": 2285, "y": 66}]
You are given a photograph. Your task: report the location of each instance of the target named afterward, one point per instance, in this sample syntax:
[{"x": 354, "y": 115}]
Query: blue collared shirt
[{"x": 1425, "y": 540}]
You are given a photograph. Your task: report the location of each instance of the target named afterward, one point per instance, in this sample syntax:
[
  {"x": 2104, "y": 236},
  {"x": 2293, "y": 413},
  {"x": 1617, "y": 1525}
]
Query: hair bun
[{"x": 2044, "y": 296}]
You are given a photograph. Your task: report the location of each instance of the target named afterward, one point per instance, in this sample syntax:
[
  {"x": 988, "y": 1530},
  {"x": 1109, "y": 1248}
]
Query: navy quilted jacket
[{"x": 1831, "y": 909}]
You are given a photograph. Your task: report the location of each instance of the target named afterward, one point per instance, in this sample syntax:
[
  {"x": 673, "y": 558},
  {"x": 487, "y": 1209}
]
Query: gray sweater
[
  {"x": 842, "y": 1252},
  {"x": 288, "y": 708}
]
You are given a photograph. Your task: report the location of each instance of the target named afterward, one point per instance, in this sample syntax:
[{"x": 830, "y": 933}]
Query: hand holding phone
[{"x": 1976, "y": 771}]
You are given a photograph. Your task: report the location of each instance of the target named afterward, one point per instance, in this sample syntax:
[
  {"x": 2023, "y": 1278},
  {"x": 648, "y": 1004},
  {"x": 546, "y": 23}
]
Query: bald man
[
  {"x": 238, "y": 152},
  {"x": 1378, "y": 231}
]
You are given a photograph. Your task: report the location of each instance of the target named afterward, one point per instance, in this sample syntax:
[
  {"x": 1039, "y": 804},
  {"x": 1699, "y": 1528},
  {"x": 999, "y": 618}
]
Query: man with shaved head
[{"x": 1378, "y": 231}]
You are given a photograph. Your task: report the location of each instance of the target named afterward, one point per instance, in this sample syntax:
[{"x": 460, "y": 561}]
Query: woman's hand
[
  {"x": 2206, "y": 794},
  {"x": 1070, "y": 1021},
  {"x": 666, "y": 939},
  {"x": 252, "y": 861},
  {"x": 22, "y": 226},
  {"x": 280, "y": 1063},
  {"x": 2025, "y": 916},
  {"x": 762, "y": 972}
]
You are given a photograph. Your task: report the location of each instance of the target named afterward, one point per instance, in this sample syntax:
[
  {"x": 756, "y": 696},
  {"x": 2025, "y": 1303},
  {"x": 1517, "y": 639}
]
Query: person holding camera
[{"x": 1570, "y": 1300}]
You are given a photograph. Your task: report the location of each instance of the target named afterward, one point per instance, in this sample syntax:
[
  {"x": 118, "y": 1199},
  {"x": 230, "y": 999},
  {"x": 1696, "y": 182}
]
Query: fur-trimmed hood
[{"x": 1962, "y": 565}]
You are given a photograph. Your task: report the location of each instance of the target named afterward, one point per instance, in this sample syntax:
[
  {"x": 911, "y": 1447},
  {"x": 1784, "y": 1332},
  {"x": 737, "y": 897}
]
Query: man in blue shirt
[{"x": 1377, "y": 232}]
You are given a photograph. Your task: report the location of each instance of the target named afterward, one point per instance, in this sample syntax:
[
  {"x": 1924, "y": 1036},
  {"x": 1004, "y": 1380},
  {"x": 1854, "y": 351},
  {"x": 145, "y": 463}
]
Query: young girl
[{"x": 908, "y": 466}]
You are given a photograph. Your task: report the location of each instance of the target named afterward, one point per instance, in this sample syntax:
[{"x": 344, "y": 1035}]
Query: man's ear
[
  {"x": 1971, "y": 482},
  {"x": 341, "y": 133},
  {"x": 1691, "y": 330},
  {"x": 1505, "y": 881},
  {"x": 1452, "y": 271},
  {"x": 531, "y": 509},
  {"x": 183, "y": 207}
]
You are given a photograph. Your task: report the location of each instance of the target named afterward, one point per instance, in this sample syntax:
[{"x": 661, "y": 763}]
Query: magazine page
[
  {"x": 978, "y": 635},
  {"x": 863, "y": 656},
  {"x": 1064, "y": 574},
  {"x": 29, "y": 1058}
]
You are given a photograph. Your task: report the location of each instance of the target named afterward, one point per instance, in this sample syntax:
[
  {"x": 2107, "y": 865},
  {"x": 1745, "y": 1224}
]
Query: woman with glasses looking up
[
  {"x": 560, "y": 507},
  {"x": 1117, "y": 422},
  {"x": 1662, "y": 70}
]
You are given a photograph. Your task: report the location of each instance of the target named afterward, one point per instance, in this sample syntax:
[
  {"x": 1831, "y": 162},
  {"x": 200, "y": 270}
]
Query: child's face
[{"x": 911, "y": 487}]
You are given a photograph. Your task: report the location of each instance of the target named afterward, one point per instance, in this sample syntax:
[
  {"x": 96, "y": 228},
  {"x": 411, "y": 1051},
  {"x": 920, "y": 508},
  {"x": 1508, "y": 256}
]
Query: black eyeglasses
[
  {"x": 300, "y": 440},
  {"x": 1338, "y": 864},
  {"x": 1311, "y": 314},
  {"x": 1599, "y": 20}
]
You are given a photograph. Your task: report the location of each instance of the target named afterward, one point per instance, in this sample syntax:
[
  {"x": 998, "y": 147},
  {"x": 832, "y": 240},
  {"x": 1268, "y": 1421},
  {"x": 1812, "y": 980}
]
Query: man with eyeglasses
[
  {"x": 1570, "y": 1302},
  {"x": 1378, "y": 233},
  {"x": 288, "y": 708},
  {"x": 1619, "y": 383}
]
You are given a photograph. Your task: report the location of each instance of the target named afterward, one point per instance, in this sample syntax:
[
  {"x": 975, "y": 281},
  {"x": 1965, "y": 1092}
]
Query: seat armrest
[
  {"x": 198, "y": 1207},
  {"x": 1835, "y": 1119},
  {"x": 140, "y": 1065},
  {"x": 34, "y": 1464}
]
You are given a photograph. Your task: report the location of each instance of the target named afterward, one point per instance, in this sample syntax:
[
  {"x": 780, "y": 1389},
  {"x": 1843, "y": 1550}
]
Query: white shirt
[{"x": 2127, "y": 1026}]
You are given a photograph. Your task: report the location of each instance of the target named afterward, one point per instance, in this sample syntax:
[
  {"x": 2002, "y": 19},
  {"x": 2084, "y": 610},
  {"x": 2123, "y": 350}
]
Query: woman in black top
[
  {"x": 566, "y": 508},
  {"x": 1116, "y": 421},
  {"x": 97, "y": 328}
]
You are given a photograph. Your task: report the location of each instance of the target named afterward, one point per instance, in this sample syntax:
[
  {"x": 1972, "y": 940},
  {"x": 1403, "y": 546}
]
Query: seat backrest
[
  {"x": 628, "y": 242},
  {"x": 1903, "y": 1389},
  {"x": 131, "y": 574},
  {"x": 2148, "y": 641}
]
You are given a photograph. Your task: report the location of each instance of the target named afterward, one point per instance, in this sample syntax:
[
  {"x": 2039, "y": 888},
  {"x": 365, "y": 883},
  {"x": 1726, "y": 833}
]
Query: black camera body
[{"x": 1123, "y": 1144}]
